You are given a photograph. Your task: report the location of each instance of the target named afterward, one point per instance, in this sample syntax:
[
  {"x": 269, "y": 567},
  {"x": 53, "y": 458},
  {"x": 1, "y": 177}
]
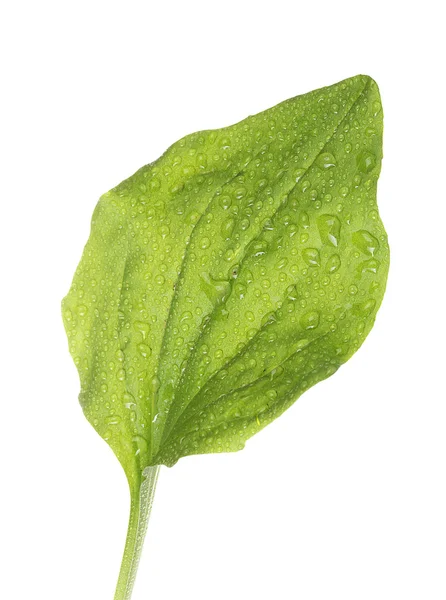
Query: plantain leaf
[{"x": 226, "y": 278}]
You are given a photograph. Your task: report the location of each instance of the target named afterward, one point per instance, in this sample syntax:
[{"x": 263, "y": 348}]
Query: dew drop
[
  {"x": 365, "y": 241},
  {"x": 82, "y": 310},
  {"x": 376, "y": 107},
  {"x": 227, "y": 228},
  {"x": 310, "y": 320},
  {"x": 225, "y": 202},
  {"x": 282, "y": 263},
  {"x": 144, "y": 350},
  {"x": 268, "y": 319},
  {"x": 129, "y": 401},
  {"x": 259, "y": 247},
  {"x": 194, "y": 217},
  {"x": 369, "y": 266},
  {"x": 113, "y": 420},
  {"x": 142, "y": 328},
  {"x": 155, "y": 383},
  {"x": 333, "y": 264},
  {"x": 141, "y": 444},
  {"x": 326, "y": 160},
  {"x": 365, "y": 308},
  {"x": 298, "y": 174},
  {"x": 164, "y": 231},
  {"x": 329, "y": 229},
  {"x": 216, "y": 290},
  {"x": 240, "y": 290},
  {"x": 229, "y": 254},
  {"x": 304, "y": 220},
  {"x": 300, "y": 345},
  {"x": 249, "y": 315},
  {"x": 311, "y": 257},
  {"x": 186, "y": 316},
  {"x": 366, "y": 161},
  {"x": 244, "y": 224}
]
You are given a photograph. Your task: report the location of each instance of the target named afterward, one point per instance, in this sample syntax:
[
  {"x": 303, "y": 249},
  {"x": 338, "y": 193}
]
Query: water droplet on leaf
[
  {"x": 333, "y": 263},
  {"x": 144, "y": 350},
  {"x": 310, "y": 320},
  {"x": 326, "y": 160},
  {"x": 227, "y": 228},
  {"x": 365, "y": 161},
  {"x": 329, "y": 229},
  {"x": 365, "y": 241},
  {"x": 311, "y": 257}
]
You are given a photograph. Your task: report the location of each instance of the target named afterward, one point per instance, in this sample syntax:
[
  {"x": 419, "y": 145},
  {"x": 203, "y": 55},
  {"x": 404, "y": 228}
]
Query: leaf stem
[{"x": 140, "y": 507}]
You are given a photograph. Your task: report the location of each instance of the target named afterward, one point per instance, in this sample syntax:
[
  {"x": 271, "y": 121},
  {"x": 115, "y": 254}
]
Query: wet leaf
[{"x": 229, "y": 276}]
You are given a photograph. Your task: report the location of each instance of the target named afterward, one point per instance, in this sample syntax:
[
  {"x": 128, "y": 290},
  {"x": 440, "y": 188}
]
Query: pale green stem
[{"x": 140, "y": 507}]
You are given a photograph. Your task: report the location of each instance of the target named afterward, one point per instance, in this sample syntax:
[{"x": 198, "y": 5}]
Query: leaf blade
[{"x": 196, "y": 259}]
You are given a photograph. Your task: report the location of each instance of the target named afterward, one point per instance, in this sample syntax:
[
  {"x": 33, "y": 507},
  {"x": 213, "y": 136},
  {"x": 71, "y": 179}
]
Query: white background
[{"x": 344, "y": 496}]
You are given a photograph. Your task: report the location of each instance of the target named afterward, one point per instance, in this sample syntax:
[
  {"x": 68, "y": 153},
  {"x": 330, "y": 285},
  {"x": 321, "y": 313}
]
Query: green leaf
[{"x": 229, "y": 276}]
